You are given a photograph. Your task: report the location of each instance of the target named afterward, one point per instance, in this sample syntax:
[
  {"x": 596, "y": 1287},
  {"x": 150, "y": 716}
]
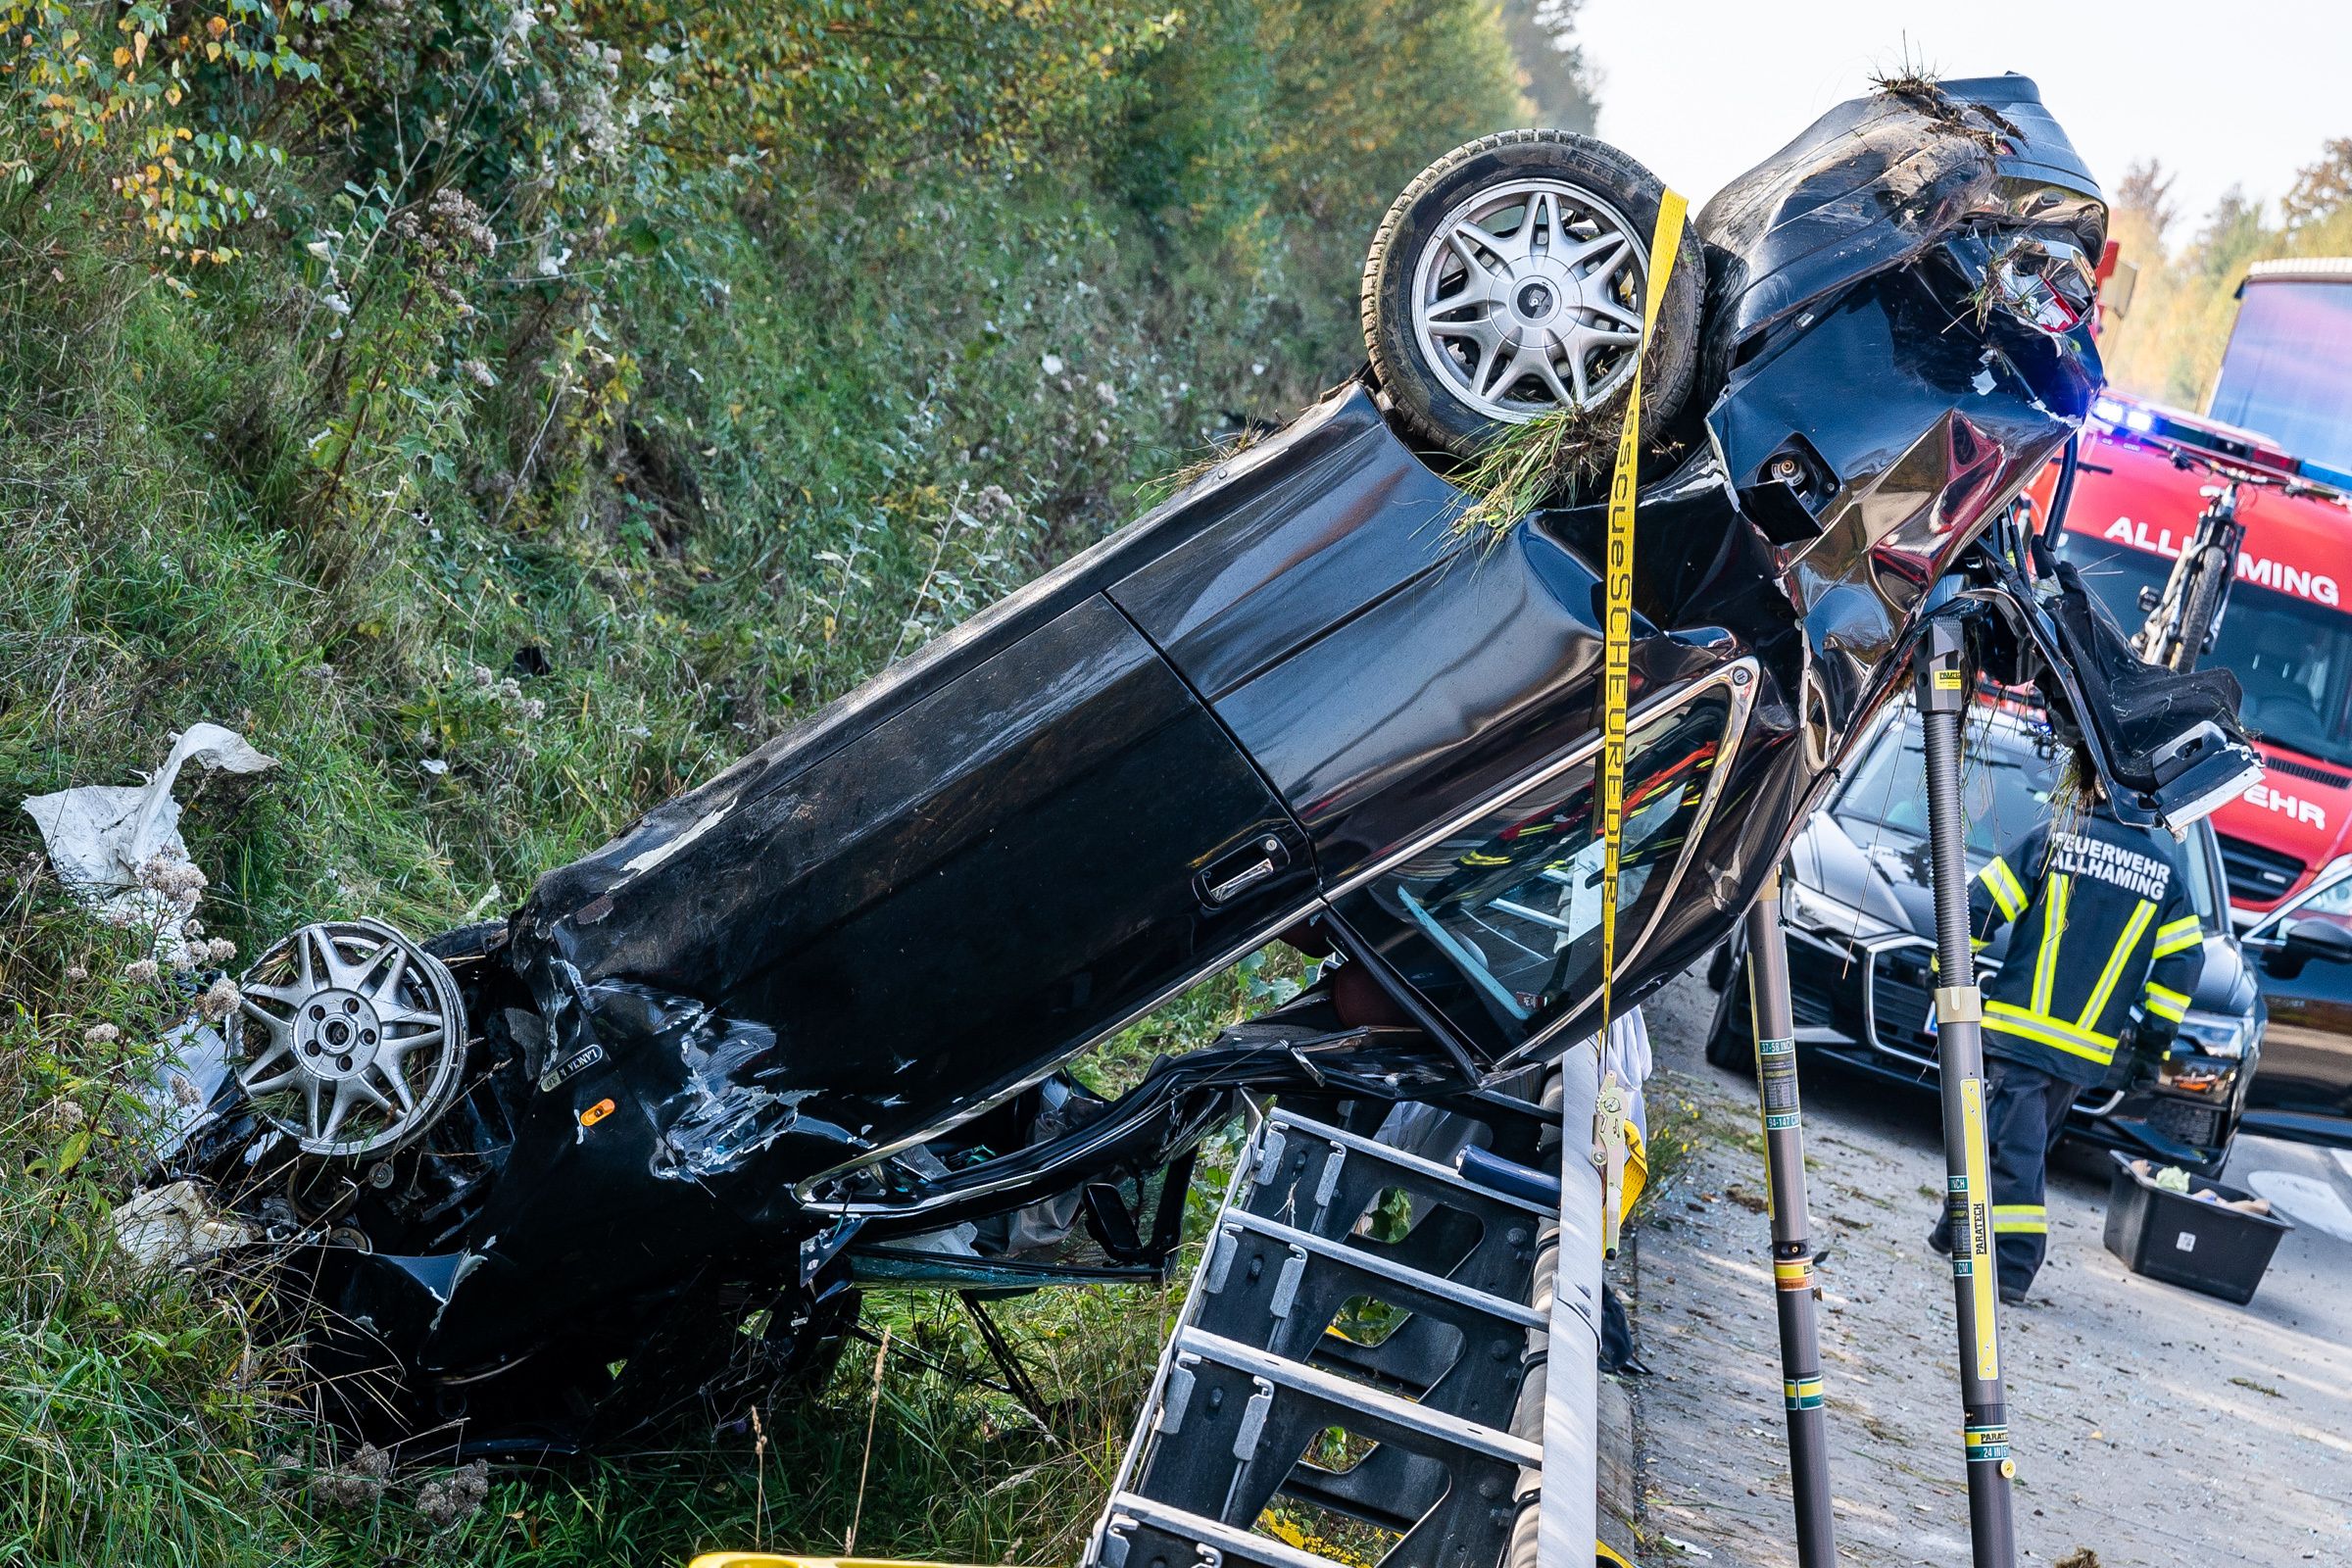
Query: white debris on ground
[
  {"x": 191, "y": 1068},
  {"x": 117, "y": 847},
  {"x": 171, "y": 1224}
]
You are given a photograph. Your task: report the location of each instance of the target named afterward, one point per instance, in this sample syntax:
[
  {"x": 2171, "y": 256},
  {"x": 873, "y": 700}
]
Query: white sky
[{"x": 2222, "y": 91}]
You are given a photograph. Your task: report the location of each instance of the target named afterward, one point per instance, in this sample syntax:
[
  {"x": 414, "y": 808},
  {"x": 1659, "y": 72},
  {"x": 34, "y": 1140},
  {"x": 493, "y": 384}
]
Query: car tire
[
  {"x": 467, "y": 943},
  {"x": 1719, "y": 967},
  {"x": 1731, "y": 1038},
  {"x": 1565, "y": 297}
]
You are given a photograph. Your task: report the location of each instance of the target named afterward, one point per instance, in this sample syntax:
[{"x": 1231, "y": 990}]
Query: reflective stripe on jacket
[{"x": 2105, "y": 934}]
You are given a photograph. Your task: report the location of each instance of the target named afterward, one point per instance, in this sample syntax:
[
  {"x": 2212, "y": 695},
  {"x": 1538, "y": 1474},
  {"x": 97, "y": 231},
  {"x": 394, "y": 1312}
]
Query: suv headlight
[
  {"x": 2216, "y": 1033},
  {"x": 1816, "y": 912}
]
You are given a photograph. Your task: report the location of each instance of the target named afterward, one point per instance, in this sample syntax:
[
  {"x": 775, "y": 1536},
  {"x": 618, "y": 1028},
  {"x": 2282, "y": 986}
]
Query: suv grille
[
  {"x": 2318, "y": 775},
  {"x": 2255, "y": 872},
  {"x": 1901, "y": 995},
  {"x": 1810, "y": 1003},
  {"x": 2200, "y": 1125}
]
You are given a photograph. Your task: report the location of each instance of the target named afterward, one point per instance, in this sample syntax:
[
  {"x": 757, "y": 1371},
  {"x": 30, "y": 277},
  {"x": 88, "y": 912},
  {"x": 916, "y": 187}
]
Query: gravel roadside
[{"x": 2153, "y": 1426}]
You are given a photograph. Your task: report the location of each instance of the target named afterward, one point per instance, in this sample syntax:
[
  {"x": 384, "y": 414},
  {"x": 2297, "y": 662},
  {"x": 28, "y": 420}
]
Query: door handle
[{"x": 1237, "y": 871}]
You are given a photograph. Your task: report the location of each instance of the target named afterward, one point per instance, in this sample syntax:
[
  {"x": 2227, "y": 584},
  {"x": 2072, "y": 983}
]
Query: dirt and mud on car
[{"x": 624, "y": 1156}]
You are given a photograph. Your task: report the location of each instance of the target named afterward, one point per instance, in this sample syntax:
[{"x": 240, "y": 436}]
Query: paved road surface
[{"x": 2158, "y": 1427}]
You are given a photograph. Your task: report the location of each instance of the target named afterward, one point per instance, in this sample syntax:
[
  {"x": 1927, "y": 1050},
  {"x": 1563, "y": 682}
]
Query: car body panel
[
  {"x": 2305, "y": 1089},
  {"x": 1872, "y": 184},
  {"x": 1340, "y": 524},
  {"x": 1447, "y": 692},
  {"x": 965, "y": 837},
  {"x": 2307, "y": 1051}
]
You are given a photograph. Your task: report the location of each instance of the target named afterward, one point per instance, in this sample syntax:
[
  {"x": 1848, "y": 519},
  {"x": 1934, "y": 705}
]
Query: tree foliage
[
  {"x": 2170, "y": 345},
  {"x": 2322, "y": 189},
  {"x": 137, "y": 105},
  {"x": 1551, "y": 64}
]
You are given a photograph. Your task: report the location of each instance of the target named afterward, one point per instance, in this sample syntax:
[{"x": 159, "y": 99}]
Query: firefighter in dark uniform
[{"x": 2105, "y": 954}]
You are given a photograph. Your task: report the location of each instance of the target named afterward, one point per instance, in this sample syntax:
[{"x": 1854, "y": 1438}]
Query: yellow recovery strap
[{"x": 1617, "y": 577}]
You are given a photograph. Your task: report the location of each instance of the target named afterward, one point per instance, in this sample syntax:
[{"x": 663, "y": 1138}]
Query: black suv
[{"x": 1860, "y": 921}]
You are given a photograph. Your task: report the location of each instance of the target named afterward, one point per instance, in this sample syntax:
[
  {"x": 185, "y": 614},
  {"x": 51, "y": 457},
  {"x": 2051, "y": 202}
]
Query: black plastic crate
[{"x": 2175, "y": 1238}]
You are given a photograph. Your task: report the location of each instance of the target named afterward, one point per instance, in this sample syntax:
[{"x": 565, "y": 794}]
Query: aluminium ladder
[{"x": 1477, "y": 1409}]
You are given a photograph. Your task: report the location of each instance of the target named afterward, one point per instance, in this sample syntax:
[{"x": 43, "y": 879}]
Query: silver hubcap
[
  {"x": 352, "y": 1037},
  {"x": 1528, "y": 300}
]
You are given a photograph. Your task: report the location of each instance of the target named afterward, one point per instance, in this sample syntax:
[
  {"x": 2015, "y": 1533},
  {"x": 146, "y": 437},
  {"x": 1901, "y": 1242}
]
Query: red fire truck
[{"x": 2280, "y": 422}]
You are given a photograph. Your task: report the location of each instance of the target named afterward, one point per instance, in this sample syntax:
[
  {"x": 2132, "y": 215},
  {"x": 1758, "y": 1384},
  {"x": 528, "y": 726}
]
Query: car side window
[
  {"x": 1497, "y": 924},
  {"x": 2200, "y": 856},
  {"x": 2331, "y": 903}
]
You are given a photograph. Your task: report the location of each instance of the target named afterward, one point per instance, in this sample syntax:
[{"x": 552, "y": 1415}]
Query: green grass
[
  {"x": 1555, "y": 457},
  {"x": 821, "y": 463},
  {"x": 955, "y": 1471},
  {"x": 794, "y": 415}
]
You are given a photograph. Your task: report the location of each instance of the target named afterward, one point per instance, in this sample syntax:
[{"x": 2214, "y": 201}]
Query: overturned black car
[
  {"x": 627, "y": 1154},
  {"x": 1860, "y": 920}
]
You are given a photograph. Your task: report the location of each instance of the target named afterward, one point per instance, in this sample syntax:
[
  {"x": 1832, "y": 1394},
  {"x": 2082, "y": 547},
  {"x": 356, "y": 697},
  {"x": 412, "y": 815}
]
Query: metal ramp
[{"x": 1400, "y": 1389}]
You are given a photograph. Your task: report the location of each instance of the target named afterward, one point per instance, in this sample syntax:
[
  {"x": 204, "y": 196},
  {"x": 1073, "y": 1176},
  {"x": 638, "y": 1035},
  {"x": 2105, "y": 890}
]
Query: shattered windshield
[{"x": 2292, "y": 656}]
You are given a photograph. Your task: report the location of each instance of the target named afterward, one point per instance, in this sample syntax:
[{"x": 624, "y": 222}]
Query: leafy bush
[
  {"x": 141, "y": 111},
  {"x": 507, "y": 412}
]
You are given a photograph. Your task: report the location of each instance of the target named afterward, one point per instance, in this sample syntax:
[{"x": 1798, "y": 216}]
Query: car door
[
  {"x": 2307, "y": 1049},
  {"x": 1425, "y": 708},
  {"x": 1494, "y": 920}
]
